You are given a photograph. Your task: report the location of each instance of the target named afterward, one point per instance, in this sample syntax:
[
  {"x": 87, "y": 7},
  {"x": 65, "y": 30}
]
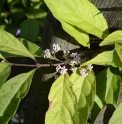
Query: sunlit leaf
[
  {"x": 35, "y": 50},
  {"x": 106, "y": 58},
  {"x": 117, "y": 116},
  {"x": 115, "y": 37},
  {"x": 118, "y": 48},
  {"x": 62, "y": 102},
  {"x": 108, "y": 85},
  {"x": 81, "y": 14},
  {"x": 5, "y": 70},
  {"x": 11, "y": 93},
  {"x": 81, "y": 36},
  {"x": 84, "y": 90},
  {"x": 9, "y": 44}
]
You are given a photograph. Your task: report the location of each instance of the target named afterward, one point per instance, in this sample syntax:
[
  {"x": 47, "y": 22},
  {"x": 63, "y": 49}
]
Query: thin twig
[
  {"x": 23, "y": 2},
  {"x": 38, "y": 65}
]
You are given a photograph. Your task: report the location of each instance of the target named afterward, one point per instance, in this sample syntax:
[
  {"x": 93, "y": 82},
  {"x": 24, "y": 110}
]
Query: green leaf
[
  {"x": 84, "y": 90},
  {"x": 34, "y": 49},
  {"x": 62, "y": 102},
  {"x": 5, "y": 70},
  {"x": 105, "y": 58},
  {"x": 115, "y": 37},
  {"x": 97, "y": 107},
  {"x": 36, "y": 3},
  {"x": 108, "y": 86},
  {"x": 9, "y": 44},
  {"x": 36, "y": 13},
  {"x": 81, "y": 36},
  {"x": 1, "y": 56},
  {"x": 18, "y": 12},
  {"x": 80, "y": 13},
  {"x": 118, "y": 48},
  {"x": 11, "y": 93},
  {"x": 29, "y": 30},
  {"x": 117, "y": 116},
  {"x": 8, "y": 55}
]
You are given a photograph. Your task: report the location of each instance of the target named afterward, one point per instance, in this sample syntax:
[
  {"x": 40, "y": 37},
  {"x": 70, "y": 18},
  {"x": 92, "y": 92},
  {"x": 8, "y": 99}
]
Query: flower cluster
[
  {"x": 61, "y": 70},
  {"x": 75, "y": 58},
  {"x": 89, "y": 67},
  {"x": 56, "y": 48},
  {"x": 83, "y": 71},
  {"x": 47, "y": 53}
]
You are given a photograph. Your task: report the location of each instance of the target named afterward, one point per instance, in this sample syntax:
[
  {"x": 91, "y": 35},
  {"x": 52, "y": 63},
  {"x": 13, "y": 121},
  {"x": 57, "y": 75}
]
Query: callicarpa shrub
[{"x": 78, "y": 93}]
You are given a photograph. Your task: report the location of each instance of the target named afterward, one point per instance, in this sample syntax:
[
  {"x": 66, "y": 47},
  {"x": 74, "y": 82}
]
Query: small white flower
[
  {"x": 52, "y": 52},
  {"x": 76, "y": 58},
  {"x": 83, "y": 72},
  {"x": 73, "y": 69},
  {"x": 73, "y": 55},
  {"x": 56, "y": 47},
  {"x": 61, "y": 70},
  {"x": 72, "y": 62},
  {"x": 64, "y": 52},
  {"x": 47, "y": 53},
  {"x": 58, "y": 68},
  {"x": 89, "y": 67}
]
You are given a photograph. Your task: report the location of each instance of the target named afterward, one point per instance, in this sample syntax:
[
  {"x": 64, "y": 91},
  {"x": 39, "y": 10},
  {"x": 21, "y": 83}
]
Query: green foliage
[
  {"x": 115, "y": 37},
  {"x": 117, "y": 116},
  {"x": 5, "y": 70},
  {"x": 34, "y": 13},
  {"x": 106, "y": 58},
  {"x": 1, "y": 56},
  {"x": 29, "y": 30},
  {"x": 11, "y": 93},
  {"x": 98, "y": 105},
  {"x": 84, "y": 90},
  {"x": 81, "y": 36},
  {"x": 72, "y": 97},
  {"x": 62, "y": 102},
  {"x": 108, "y": 86},
  {"x": 10, "y": 44},
  {"x": 34, "y": 49},
  {"x": 118, "y": 48},
  {"x": 73, "y": 13},
  {"x": 14, "y": 13}
]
